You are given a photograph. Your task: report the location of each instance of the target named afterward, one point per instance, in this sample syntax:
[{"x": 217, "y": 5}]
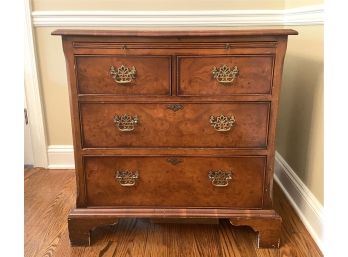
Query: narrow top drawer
[{"x": 124, "y": 75}]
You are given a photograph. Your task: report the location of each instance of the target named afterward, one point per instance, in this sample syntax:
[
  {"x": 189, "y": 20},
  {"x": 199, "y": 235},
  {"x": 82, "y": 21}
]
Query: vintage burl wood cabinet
[{"x": 174, "y": 124}]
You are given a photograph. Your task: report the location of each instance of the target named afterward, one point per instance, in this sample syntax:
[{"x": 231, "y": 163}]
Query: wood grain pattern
[
  {"x": 153, "y": 75},
  {"x": 94, "y": 102},
  {"x": 189, "y": 127},
  {"x": 49, "y": 195},
  {"x": 183, "y": 184},
  {"x": 265, "y": 222},
  {"x": 268, "y": 229},
  {"x": 195, "y": 74}
]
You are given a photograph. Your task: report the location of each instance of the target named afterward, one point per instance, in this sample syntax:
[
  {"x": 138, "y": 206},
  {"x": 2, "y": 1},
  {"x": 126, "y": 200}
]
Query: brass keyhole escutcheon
[
  {"x": 175, "y": 107},
  {"x": 174, "y": 161}
]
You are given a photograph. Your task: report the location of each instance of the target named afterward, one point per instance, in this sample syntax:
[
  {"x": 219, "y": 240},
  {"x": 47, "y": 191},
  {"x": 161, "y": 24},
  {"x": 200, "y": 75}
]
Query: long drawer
[
  {"x": 175, "y": 181},
  {"x": 216, "y": 125}
]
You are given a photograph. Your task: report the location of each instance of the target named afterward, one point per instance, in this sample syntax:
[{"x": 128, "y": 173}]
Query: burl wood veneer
[{"x": 174, "y": 124}]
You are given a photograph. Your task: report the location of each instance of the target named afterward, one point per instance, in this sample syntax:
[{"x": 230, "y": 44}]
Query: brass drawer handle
[
  {"x": 127, "y": 178},
  {"x": 122, "y": 74},
  {"x": 225, "y": 74},
  {"x": 126, "y": 122},
  {"x": 175, "y": 107},
  {"x": 222, "y": 123},
  {"x": 219, "y": 178}
]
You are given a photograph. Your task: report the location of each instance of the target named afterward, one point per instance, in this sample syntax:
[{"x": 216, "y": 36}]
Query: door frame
[{"x": 33, "y": 93}]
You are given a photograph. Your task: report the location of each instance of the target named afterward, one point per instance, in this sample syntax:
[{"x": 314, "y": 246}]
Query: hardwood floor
[{"x": 50, "y": 194}]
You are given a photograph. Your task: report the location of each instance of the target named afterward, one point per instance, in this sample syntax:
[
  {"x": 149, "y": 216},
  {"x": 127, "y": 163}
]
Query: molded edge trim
[{"x": 307, "y": 15}]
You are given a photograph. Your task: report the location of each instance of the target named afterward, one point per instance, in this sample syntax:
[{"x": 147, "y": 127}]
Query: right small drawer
[{"x": 225, "y": 74}]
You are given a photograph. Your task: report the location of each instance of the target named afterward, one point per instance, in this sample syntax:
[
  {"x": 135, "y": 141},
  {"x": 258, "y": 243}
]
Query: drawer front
[
  {"x": 216, "y": 125},
  {"x": 175, "y": 181},
  {"x": 124, "y": 75},
  {"x": 225, "y": 75}
]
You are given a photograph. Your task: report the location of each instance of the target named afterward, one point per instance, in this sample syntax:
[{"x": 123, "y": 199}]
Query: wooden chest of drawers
[{"x": 174, "y": 124}]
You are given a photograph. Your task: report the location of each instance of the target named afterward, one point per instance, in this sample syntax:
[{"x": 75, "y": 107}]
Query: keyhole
[{"x": 124, "y": 48}]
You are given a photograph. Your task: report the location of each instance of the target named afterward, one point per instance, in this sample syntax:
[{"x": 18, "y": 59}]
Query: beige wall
[
  {"x": 300, "y": 3},
  {"x": 154, "y": 4},
  {"x": 54, "y": 87},
  {"x": 300, "y": 126}
]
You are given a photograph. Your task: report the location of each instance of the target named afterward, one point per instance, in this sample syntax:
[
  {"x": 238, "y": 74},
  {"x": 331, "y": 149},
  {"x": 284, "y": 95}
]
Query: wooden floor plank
[{"x": 50, "y": 194}]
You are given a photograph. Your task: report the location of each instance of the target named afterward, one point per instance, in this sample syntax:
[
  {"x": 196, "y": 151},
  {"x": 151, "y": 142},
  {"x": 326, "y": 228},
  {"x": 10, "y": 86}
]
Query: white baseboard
[
  {"x": 307, "y": 15},
  {"x": 61, "y": 157},
  {"x": 301, "y": 198}
]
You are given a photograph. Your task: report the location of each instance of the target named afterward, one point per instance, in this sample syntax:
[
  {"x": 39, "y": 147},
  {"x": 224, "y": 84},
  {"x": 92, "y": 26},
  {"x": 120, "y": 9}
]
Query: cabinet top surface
[{"x": 175, "y": 32}]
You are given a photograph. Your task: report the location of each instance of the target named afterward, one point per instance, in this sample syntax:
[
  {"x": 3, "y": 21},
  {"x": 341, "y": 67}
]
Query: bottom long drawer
[{"x": 235, "y": 182}]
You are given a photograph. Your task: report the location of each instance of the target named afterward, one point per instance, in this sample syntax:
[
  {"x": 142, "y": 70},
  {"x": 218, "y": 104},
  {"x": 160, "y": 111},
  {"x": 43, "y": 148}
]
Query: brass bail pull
[
  {"x": 219, "y": 178},
  {"x": 123, "y": 75},
  {"x": 125, "y": 122},
  {"x": 222, "y": 123},
  {"x": 225, "y": 74},
  {"x": 127, "y": 178}
]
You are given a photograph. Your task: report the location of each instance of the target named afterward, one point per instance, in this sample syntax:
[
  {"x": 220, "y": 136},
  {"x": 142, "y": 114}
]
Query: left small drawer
[{"x": 123, "y": 75}]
